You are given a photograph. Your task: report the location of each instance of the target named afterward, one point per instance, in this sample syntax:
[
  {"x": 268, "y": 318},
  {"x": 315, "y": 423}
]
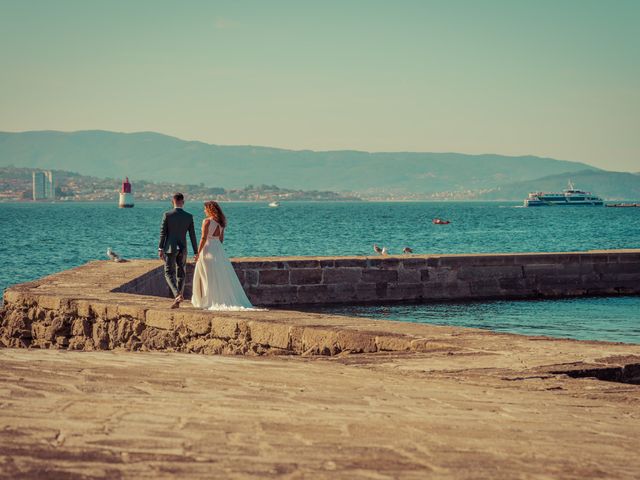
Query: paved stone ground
[{"x": 94, "y": 415}]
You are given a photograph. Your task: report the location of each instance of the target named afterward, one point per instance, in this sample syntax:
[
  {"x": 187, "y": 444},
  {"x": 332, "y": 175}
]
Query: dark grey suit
[{"x": 173, "y": 242}]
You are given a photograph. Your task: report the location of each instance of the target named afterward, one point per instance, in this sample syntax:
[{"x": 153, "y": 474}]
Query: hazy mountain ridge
[
  {"x": 608, "y": 185},
  {"x": 156, "y": 157}
]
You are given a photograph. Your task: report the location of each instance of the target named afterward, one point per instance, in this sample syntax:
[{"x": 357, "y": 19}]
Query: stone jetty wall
[
  {"x": 107, "y": 305},
  {"x": 290, "y": 281}
]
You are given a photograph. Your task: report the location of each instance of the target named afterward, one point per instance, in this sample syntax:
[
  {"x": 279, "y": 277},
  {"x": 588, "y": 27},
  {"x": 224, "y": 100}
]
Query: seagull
[
  {"x": 377, "y": 249},
  {"x": 114, "y": 256},
  {"x": 407, "y": 250},
  {"x": 384, "y": 251}
]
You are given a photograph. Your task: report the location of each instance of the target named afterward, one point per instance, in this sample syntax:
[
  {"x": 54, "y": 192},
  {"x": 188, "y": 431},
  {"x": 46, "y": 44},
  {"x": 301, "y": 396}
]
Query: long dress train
[{"x": 215, "y": 283}]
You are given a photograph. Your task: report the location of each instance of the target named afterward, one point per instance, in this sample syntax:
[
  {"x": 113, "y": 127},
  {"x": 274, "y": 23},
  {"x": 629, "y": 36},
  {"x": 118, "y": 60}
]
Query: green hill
[{"x": 156, "y": 157}]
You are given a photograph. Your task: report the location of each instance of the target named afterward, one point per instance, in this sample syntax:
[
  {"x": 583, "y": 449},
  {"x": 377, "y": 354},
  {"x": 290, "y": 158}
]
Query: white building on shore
[{"x": 43, "y": 185}]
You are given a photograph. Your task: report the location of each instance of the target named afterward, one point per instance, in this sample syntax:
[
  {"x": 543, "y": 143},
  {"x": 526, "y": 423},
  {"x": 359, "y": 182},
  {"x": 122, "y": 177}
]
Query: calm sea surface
[{"x": 39, "y": 239}]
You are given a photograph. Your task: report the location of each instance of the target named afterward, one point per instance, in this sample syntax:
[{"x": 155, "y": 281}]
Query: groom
[{"x": 173, "y": 246}]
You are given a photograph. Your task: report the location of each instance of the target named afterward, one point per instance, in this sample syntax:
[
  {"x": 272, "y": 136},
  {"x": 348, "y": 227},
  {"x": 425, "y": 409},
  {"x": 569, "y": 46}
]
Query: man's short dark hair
[{"x": 178, "y": 197}]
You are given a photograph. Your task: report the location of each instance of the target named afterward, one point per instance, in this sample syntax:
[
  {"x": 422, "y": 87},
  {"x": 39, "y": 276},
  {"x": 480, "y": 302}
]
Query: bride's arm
[{"x": 203, "y": 238}]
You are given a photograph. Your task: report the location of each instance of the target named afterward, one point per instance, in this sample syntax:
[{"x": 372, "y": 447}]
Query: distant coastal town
[{"x": 28, "y": 185}]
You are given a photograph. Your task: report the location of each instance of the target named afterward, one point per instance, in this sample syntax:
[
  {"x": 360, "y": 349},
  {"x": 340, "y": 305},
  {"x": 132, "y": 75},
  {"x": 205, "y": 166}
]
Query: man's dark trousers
[
  {"x": 175, "y": 271},
  {"x": 175, "y": 225}
]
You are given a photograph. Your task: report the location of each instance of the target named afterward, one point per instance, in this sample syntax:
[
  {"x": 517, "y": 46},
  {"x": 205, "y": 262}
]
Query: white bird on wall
[
  {"x": 114, "y": 256},
  {"x": 385, "y": 251}
]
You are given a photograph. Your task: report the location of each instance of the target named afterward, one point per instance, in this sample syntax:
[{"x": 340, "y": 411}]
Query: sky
[{"x": 556, "y": 78}]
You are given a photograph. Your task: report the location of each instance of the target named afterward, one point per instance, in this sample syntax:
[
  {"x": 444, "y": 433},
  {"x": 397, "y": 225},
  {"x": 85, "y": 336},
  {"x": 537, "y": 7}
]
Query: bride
[{"x": 215, "y": 283}]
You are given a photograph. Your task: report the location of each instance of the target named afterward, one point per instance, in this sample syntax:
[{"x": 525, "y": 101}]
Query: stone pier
[
  {"x": 105, "y": 305},
  {"x": 291, "y": 281}
]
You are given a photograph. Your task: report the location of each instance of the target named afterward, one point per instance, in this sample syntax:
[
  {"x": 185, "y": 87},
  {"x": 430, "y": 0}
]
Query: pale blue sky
[{"x": 557, "y": 78}]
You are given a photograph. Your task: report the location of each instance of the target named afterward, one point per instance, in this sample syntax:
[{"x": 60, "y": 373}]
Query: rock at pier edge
[{"x": 313, "y": 396}]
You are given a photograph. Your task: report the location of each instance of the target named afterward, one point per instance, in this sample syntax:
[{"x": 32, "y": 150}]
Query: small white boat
[{"x": 274, "y": 204}]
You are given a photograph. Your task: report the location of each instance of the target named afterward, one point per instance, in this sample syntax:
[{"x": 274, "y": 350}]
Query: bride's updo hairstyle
[{"x": 214, "y": 211}]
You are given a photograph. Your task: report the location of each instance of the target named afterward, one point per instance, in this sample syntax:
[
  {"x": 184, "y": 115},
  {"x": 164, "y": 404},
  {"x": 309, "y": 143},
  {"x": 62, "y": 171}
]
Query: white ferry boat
[
  {"x": 569, "y": 197},
  {"x": 274, "y": 204}
]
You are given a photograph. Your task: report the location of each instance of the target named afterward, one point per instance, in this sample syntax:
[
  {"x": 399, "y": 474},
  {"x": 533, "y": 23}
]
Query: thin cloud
[{"x": 224, "y": 23}]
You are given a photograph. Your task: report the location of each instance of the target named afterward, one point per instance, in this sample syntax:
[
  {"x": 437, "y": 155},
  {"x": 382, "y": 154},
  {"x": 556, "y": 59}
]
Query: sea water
[{"x": 42, "y": 238}]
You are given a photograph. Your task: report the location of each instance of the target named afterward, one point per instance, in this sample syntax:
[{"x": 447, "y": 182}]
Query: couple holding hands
[{"x": 215, "y": 283}]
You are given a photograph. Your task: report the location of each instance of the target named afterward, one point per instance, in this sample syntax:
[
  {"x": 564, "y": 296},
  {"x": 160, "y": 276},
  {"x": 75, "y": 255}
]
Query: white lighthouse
[{"x": 126, "y": 197}]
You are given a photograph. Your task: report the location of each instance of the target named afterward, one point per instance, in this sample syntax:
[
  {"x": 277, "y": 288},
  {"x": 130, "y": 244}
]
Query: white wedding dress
[{"x": 215, "y": 283}]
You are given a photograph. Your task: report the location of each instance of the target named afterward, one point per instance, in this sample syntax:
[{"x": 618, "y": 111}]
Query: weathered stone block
[
  {"x": 294, "y": 264},
  {"x": 273, "y": 294},
  {"x": 534, "y": 270},
  {"x": 131, "y": 310},
  {"x": 80, "y": 343},
  {"x": 306, "y": 276},
  {"x": 433, "y": 262},
  {"x": 625, "y": 257},
  {"x": 81, "y": 327},
  {"x": 267, "y": 264},
  {"x": 367, "y": 292},
  {"x": 155, "y": 339},
  {"x": 414, "y": 263},
  {"x": 295, "y": 339},
  {"x": 312, "y": 294},
  {"x": 38, "y": 330},
  {"x": 250, "y": 277},
  {"x": 224, "y": 327},
  {"x": 384, "y": 263},
  {"x": 539, "y": 258},
  {"x": 409, "y": 276},
  {"x": 356, "y": 342},
  {"x": 273, "y": 277},
  {"x": 617, "y": 268},
  {"x": 342, "y": 292},
  {"x": 487, "y": 260},
  {"x": 161, "y": 319},
  {"x": 392, "y": 343},
  {"x": 240, "y": 273},
  {"x": 509, "y": 284},
  {"x": 350, "y": 262},
  {"x": 209, "y": 346},
  {"x": 371, "y": 275},
  {"x": 98, "y": 310},
  {"x": 123, "y": 331},
  {"x": 473, "y": 272},
  {"x": 59, "y": 327},
  {"x": 404, "y": 291},
  {"x": 195, "y": 322},
  {"x": 13, "y": 296},
  {"x": 270, "y": 334},
  {"x": 341, "y": 275},
  {"x": 427, "y": 345},
  {"x": 320, "y": 341},
  {"x": 100, "y": 335},
  {"x": 83, "y": 308},
  {"x": 49, "y": 302},
  {"x": 490, "y": 287}
]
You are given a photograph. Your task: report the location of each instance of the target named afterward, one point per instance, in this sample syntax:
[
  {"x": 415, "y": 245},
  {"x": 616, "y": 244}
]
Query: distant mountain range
[{"x": 161, "y": 158}]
